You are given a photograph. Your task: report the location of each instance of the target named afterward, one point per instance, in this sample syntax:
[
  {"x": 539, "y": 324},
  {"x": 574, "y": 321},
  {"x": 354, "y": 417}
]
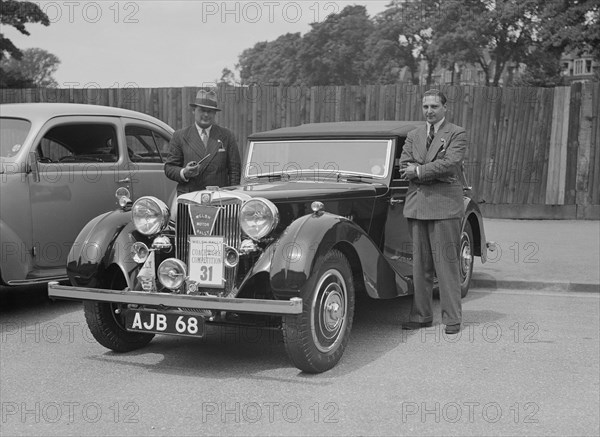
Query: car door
[
  {"x": 147, "y": 149},
  {"x": 398, "y": 241},
  {"x": 79, "y": 169}
]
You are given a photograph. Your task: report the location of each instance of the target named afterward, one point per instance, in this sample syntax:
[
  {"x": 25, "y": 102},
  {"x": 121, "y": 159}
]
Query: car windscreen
[
  {"x": 13, "y": 132},
  {"x": 297, "y": 158}
]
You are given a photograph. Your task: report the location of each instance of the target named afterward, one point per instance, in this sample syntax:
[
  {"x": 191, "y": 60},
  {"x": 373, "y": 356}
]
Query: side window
[
  {"x": 141, "y": 144},
  {"x": 163, "y": 145},
  {"x": 85, "y": 142},
  {"x": 397, "y": 179}
]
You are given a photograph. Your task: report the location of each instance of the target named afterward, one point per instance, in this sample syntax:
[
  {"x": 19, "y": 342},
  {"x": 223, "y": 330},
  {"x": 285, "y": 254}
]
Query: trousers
[{"x": 436, "y": 250}]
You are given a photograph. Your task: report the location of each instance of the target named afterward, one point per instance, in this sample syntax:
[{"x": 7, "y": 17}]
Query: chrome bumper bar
[{"x": 237, "y": 305}]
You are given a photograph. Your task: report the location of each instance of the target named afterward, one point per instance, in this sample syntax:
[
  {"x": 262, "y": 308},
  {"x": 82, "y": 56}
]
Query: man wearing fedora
[{"x": 203, "y": 154}]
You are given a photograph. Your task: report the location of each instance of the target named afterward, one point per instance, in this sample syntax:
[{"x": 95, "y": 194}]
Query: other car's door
[
  {"x": 147, "y": 149},
  {"x": 398, "y": 242},
  {"x": 79, "y": 169}
]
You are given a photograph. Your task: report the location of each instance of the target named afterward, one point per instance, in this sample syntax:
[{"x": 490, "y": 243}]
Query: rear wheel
[
  {"x": 316, "y": 339},
  {"x": 108, "y": 327},
  {"x": 466, "y": 259}
]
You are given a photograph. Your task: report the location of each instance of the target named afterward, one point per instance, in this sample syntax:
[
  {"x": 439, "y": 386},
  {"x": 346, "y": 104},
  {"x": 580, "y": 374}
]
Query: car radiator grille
[{"x": 226, "y": 225}]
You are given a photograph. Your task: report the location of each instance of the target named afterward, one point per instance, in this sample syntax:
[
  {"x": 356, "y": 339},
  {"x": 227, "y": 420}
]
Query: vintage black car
[{"x": 317, "y": 220}]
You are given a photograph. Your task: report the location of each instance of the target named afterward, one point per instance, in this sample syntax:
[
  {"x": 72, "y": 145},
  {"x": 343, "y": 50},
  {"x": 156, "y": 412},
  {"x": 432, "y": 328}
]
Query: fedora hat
[{"x": 206, "y": 99}]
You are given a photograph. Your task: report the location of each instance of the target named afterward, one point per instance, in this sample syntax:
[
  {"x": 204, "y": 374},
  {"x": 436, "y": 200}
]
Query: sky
[{"x": 160, "y": 43}]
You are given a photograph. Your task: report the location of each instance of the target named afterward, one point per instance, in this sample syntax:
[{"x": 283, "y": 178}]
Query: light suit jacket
[
  {"x": 438, "y": 192},
  {"x": 221, "y": 168}
]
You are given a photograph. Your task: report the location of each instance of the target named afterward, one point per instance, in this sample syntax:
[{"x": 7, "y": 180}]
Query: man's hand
[
  {"x": 410, "y": 171},
  {"x": 191, "y": 170}
]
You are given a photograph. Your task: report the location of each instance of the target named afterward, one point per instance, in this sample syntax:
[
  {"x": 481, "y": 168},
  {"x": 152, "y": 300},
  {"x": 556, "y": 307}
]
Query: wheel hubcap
[
  {"x": 329, "y": 311},
  {"x": 465, "y": 256}
]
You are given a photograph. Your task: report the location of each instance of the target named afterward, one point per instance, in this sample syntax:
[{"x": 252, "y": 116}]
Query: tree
[
  {"x": 36, "y": 67},
  {"x": 274, "y": 62},
  {"x": 334, "y": 52},
  {"x": 227, "y": 77},
  {"x": 488, "y": 33},
  {"x": 569, "y": 25},
  {"x": 405, "y": 33},
  {"x": 17, "y": 14}
]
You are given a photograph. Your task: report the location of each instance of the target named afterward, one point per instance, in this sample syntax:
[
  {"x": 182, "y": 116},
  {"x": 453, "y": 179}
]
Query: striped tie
[
  {"x": 204, "y": 137},
  {"x": 430, "y": 136}
]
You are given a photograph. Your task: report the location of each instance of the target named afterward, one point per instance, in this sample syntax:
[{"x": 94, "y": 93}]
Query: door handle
[
  {"x": 396, "y": 201},
  {"x": 124, "y": 181}
]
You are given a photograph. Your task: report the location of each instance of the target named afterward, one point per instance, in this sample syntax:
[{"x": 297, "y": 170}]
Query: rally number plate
[
  {"x": 206, "y": 261},
  {"x": 159, "y": 323}
]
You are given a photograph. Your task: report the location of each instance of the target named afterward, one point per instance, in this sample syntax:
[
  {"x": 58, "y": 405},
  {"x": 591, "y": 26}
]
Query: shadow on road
[{"x": 32, "y": 303}]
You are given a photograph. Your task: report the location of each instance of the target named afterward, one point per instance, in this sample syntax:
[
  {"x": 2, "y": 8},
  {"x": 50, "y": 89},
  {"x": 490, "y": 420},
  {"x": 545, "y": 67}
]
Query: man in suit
[
  {"x": 432, "y": 161},
  {"x": 203, "y": 154}
]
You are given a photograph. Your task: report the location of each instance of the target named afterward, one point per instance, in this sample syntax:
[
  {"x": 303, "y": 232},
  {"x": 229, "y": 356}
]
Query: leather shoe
[
  {"x": 452, "y": 329},
  {"x": 411, "y": 326}
]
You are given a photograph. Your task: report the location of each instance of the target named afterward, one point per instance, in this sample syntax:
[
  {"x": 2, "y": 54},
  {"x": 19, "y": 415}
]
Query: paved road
[{"x": 526, "y": 364}]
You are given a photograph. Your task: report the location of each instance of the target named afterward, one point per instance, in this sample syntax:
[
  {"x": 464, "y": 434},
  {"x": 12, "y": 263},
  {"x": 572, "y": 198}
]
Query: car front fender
[
  {"x": 473, "y": 215},
  {"x": 104, "y": 241},
  {"x": 307, "y": 238}
]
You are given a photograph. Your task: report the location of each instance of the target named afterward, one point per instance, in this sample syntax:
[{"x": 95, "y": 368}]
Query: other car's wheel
[
  {"x": 315, "y": 340},
  {"x": 466, "y": 258},
  {"x": 108, "y": 328}
]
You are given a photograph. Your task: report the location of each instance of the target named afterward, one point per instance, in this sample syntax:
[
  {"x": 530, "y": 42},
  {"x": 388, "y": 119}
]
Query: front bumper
[{"x": 236, "y": 305}]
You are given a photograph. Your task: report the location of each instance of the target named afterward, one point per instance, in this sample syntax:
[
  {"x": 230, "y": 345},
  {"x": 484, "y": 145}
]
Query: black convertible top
[{"x": 342, "y": 129}]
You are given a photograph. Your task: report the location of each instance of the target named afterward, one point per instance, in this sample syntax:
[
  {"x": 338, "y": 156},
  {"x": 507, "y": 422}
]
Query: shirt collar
[
  {"x": 206, "y": 129},
  {"x": 436, "y": 126}
]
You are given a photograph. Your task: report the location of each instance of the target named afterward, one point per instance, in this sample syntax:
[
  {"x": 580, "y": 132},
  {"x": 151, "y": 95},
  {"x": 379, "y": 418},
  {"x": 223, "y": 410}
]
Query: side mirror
[{"x": 33, "y": 166}]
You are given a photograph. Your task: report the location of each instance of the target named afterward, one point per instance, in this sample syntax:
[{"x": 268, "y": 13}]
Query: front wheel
[
  {"x": 107, "y": 326},
  {"x": 466, "y": 258},
  {"x": 315, "y": 340}
]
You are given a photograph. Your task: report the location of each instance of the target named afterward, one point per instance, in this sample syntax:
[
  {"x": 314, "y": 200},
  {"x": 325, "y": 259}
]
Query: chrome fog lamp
[
  {"x": 150, "y": 215},
  {"x": 232, "y": 257},
  {"x": 123, "y": 197},
  {"x": 163, "y": 243},
  {"x": 139, "y": 252},
  {"x": 258, "y": 217},
  {"x": 171, "y": 273}
]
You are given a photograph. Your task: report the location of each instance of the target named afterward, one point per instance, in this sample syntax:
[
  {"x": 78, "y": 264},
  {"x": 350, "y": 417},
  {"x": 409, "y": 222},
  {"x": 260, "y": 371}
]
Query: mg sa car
[{"x": 316, "y": 221}]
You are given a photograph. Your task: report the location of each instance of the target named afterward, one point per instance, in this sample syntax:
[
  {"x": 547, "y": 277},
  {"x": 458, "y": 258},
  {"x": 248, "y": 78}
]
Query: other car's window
[
  {"x": 13, "y": 132},
  {"x": 299, "y": 158},
  {"x": 85, "y": 142},
  {"x": 142, "y": 144}
]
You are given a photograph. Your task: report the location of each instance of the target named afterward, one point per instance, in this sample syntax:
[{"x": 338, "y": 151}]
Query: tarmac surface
[{"x": 563, "y": 255}]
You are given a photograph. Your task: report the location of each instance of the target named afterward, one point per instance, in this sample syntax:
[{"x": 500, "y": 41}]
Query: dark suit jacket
[
  {"x": 438, "y": 193},
  {"x": 222, "y": 168}
]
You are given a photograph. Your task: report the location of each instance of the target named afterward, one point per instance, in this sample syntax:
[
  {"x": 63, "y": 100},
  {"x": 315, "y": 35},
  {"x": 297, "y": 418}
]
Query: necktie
[
  {"x": 430, "y": 136},
  {"x": 204, "y": 137}
]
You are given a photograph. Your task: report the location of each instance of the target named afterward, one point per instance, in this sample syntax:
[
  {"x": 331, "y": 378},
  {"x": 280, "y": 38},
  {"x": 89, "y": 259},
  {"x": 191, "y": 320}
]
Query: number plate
[
  {"x": 206, "y": 261},
  {"x": 158, "y": 323}
]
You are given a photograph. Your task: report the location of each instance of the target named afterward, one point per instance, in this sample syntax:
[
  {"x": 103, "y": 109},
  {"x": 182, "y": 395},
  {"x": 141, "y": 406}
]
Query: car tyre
[
  {"x": 315, "y": 340},
  {"x": 466, "y": 258},
  {"x": 107, "y": 326}
]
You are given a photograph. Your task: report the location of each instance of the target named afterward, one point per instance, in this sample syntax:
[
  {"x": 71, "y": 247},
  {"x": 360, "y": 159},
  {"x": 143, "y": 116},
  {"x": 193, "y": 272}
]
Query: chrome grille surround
[{"x": 226, "y": 225}]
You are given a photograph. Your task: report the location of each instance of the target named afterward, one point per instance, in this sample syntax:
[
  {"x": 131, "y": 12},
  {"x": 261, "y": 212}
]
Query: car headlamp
[
  {"x": 258, "y": 217},
  {"x": 150, "y": 215}
]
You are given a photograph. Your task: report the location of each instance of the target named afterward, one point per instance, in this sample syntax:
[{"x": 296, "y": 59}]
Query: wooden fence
[{"x": 533, "y": 152}]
